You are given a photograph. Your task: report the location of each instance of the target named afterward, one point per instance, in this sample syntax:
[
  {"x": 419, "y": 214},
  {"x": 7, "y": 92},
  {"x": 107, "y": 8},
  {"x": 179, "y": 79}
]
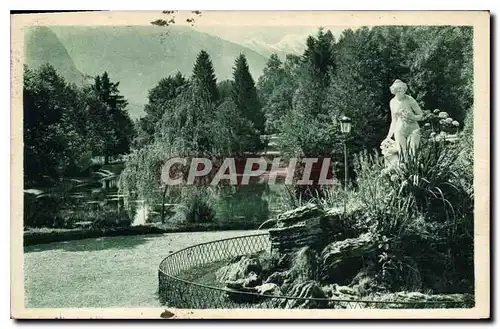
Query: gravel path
[{"x": 104, "y": 272}]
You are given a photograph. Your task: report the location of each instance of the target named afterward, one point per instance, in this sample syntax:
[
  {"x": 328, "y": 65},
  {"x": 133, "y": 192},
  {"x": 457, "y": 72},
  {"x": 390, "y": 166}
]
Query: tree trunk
[{"x": 163, "y": 204}]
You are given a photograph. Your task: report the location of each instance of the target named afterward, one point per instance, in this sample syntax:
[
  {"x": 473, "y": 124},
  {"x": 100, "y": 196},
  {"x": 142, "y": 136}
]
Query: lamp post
[{"x": 345, "y": 128}]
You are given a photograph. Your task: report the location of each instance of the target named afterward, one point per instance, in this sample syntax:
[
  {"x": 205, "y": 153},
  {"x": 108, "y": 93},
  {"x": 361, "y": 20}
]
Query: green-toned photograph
[{"x": 182, "y": 165}]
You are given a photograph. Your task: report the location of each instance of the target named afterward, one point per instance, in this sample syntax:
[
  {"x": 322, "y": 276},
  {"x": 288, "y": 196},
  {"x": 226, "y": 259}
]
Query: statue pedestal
[
  {"x": 390, "y": 152},
  {"x": 391, "y": 159}
]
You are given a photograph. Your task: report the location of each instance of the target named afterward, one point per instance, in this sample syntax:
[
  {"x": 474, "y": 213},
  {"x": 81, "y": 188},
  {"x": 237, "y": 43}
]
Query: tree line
[
  {"x": 299, "y": 97},
  {"x": 304, "y": 96},
  {"x": 202, "y": 114},
  {"x": 194, "y": 116},
  {"x": 65, "y": 126},
  {"x": 352, "y": 76}
]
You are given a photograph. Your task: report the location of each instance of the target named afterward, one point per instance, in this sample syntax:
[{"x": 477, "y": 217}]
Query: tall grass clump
[{"x": 421, "y": 214}]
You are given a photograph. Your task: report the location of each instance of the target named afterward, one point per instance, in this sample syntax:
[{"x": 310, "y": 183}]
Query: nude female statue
[{"x": 405, "y": 114}]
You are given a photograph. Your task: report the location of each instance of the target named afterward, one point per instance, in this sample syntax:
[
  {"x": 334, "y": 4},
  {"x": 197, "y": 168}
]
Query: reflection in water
[
  {"x": 141, "y": 213},
  {"x": 245, "y": 203},
  {"x": 242, "y": 206}
]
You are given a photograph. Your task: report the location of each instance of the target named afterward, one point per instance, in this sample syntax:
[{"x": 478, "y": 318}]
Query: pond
[
  {"x": 80, "y": 200},
  {"x": 252, "y": 204}
]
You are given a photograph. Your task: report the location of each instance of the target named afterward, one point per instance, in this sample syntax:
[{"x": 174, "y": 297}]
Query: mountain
[
  {"x": 266, "y": 40},
  {"x": 290, "y": 44},
  {"x": 43, "y": 46},
  {"x": 139, "y": 56}
]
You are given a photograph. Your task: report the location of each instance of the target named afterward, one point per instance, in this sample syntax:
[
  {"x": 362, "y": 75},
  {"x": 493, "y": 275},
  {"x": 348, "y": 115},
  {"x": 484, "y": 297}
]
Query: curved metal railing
[{"x": 177, "y": 289}]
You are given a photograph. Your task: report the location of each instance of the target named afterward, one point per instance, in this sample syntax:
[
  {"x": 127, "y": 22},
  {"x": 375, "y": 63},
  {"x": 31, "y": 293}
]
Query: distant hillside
[
  {"x": 139, "y": 57},
  {"x": 266, "y": 40},
  {"x": 43, "y": 46}
]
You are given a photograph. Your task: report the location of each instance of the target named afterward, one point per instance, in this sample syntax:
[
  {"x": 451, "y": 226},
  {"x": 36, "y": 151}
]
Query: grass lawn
[{"x": 104, "y": 272}]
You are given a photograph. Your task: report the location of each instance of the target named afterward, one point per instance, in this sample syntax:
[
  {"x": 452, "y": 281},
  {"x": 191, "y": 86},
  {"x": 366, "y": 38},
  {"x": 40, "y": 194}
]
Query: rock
[
  {"x": 365, "y": 283},
  {"x": 305, "y": 289},
  {"x": 249, "y": 282},
  {"x": 277, "y": 278},
  {"x": 304, "y": 265},
  {"x": 292, "y": 238},
  {"x": 239, "y": 285},
  {"x": 346, "y": 290},
  {"x": 341, "y": 260},
  {"x": 336, "y": 291},
  {"x": 304, "y": 213},
  {"x": 244, "y": 285},
  {"x": 268, "y": 289},
  {"x": 306, "y": 226},
  {"x": 271, "y": 261},
  {"x": 239, "y": 270},
  {"x": 241, "y": 294},
  {"x": 339, "y": 290},
  {"x": 287, "y": 284},
  {"x": 252, "y": 280}
]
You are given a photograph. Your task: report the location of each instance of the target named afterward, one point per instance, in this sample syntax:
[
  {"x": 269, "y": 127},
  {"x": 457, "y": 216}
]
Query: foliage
[
  {"x": 194, "y": 122},
  {"x": 244, "y": 96},
  {"x": 241, "y": 206},
  {"x": 141, "y": 177},
  {"x": 55, "y": 127},
  {"x": 107, "y": 218},
  {"x": 225, "y": 89},
  {"x": 166, "y": 90},
  {"x": 196, "y": 206},
  {"x": 43, "y": 210},
  {"x": 439, "y": 81},
  {"x": 276, "y": 88},
  {"x": 421, "y": 216},
  {"x": 64, "y": 125},
  {"x": 464, "y": 165},
  {"x": 320, "y": 56},
  {"x": 232, "y": 133},
  {"x": 359, "y": 69},
  {"x": 204, "y": 74},
  {"x": 111, "y": 129}
]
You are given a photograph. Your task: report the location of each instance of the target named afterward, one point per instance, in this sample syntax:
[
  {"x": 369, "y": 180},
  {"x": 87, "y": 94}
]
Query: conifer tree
[
  {"x": 319, "y": 55},
  {"x": 111, "y": 126},
  {"x": 203, "y": 72},
  {"x": 244, "y": 94}
]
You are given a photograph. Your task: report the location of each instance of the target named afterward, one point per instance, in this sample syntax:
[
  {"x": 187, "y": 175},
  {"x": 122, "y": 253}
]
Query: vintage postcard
[{"x": 177, "y": 164}]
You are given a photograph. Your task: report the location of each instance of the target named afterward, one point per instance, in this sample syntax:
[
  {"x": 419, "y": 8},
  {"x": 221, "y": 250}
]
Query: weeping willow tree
[
  {"x": 141, "y": 178},
  {"x": 192, "y": 125}
]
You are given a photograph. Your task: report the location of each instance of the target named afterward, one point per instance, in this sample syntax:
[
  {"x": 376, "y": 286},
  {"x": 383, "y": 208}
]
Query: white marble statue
[{"x": 405, "y": 114}]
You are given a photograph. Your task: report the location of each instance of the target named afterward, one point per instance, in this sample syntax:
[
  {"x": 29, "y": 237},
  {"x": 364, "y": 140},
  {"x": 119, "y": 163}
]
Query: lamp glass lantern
[{"x": 345, "y": 125}]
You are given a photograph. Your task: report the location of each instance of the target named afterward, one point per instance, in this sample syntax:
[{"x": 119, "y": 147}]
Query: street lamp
[{"x": 345, "y": 128}]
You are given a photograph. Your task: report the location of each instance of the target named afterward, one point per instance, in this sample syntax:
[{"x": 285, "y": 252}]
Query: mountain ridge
[
  {"x": 140, "y": 56},
  {"x": 43, "y": 46},
  {"x": 171, "y": 49}
]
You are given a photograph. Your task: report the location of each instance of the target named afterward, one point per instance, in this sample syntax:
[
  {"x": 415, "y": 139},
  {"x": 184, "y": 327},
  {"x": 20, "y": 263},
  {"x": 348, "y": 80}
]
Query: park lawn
[{"x": 103, "y": 272}]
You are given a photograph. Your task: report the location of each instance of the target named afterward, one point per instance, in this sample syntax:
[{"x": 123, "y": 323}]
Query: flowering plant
[{"x": 438, "y": 124}]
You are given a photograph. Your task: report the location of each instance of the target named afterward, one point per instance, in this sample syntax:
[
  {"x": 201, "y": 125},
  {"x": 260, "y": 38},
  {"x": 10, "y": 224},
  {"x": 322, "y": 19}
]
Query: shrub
[
  {"x": 429, "y": 179},
  {"x": 420, "y": 214},
  {"x": 196, "y": 206},
  {"x": 44, "y": 210},
  {"x": 109, "y": 218}
]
